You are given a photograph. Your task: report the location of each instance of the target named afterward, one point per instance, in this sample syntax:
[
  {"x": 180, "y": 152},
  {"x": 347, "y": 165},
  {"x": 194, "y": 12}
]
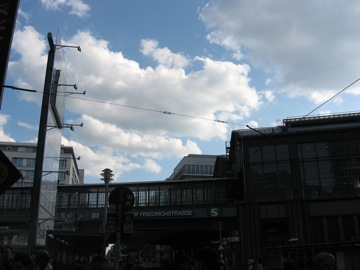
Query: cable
[
  {"x": 153, "y": 110},
  {"x": 332, "y": 97}
]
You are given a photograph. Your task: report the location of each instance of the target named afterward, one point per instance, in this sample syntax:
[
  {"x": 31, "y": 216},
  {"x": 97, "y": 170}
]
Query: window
[
  {"x": 348, "y": 223},
  {"x": 333, "y": 229},
  {"x": 21, "y": 149},
  {"x": 317, "y": 228},
  {"x": 30, "y": 162},
  {"x": 315, "y": 168},
  {"x": 62, "y": 164},
  {"x": 270, "y": 172},
  {"x": 93, "y": 199},
  {"x": 17, "y": 161},
  {"x": 29, "y": 174},
  {"x": 61, "y": 176}
]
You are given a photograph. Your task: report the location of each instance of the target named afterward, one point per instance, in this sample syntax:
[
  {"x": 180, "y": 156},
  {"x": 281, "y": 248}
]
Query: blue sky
[{"x": 242, "y": 62}]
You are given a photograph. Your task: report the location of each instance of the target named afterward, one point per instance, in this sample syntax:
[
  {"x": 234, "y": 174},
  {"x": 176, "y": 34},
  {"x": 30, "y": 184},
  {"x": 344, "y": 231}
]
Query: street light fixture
[
  {"x": 74, "y": 93},
  {"x": 69, "y": 126},
  {"x": 64, "y": 84},
  {"x": 68, "y": 46},
  {"x": 49, "y": 172}
]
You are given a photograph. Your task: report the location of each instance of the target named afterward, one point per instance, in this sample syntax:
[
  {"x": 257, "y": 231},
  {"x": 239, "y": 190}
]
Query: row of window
[
  {"x": 15, "y": 199},
  {"x": 15, "y": 148},
  {"x": 19, "y": 162},
  {"x": 192, "y": 169},
  {"x": 30, "y": 162},
  {"x": 320, "y": 169},
  {"x": 165, "y": 195},
  {"x": 324, "y": 230}
]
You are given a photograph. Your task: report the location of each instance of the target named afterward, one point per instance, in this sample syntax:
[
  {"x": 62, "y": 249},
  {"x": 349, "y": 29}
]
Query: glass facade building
[{"x": 300, "y": 188}]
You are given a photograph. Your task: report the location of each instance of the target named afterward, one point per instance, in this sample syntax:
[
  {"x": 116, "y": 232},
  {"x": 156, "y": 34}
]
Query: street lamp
[{"x": 106, "y": 174}]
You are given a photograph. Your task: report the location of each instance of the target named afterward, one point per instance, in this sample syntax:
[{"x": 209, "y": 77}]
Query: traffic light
[
  {"x": 120, "y": 223},
  {"x": 125, "y": 228}
]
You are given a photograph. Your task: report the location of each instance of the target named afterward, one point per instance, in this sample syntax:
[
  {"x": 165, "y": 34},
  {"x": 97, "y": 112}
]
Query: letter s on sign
[{"x": 214, "y": 212}]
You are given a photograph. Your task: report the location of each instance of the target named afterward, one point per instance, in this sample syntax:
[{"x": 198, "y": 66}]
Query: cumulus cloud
[
  {"x": 152, "y": 166},
  {"x": 133, "y": 97},
  {"x": 95, "y": 160},
  {"x": 157, "y": 112},
  {"x": 77, "y": 7},
  {"x": 31, "y": 59},
  {"x": 163, "y": 55},
  {"x": 3, "y": 136},
  {"x": 308, "y": 47}
]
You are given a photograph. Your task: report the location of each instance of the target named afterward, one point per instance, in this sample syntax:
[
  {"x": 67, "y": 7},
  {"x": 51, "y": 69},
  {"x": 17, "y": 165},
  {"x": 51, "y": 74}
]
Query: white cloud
[
  {"x": 309, "y": 47},
  {"x": 163, "y": 55},
  {"x": 27, "y": 126},
  {"x": 77, "y": 7},
  {"x": 98, "y": 133},
  {"x": 110, "y": 78},
  {"x": 95, "y": 160},
  {"x": 122, "y": 108},
  {"x": 269, "y": 95},
  {"x": 152, "y": 166},
  {"x": 30, "y": 47},
  {"x": 3, "y": 136}
]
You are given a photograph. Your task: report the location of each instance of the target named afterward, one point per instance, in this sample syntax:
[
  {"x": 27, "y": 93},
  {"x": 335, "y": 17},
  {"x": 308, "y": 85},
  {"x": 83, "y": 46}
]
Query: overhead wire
[
  {"x": 152, "y": 110},
  {"x": 351, "y": 84},
  {"x": 197, "y": 117}
]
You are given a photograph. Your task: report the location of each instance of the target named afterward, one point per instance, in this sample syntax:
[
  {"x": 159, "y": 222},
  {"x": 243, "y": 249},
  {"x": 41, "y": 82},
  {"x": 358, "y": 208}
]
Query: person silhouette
[{"x": 324, "y": 261}]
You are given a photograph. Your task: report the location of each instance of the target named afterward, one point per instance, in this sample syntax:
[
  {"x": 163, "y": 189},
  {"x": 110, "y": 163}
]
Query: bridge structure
[{"x": 181, "y": 215}]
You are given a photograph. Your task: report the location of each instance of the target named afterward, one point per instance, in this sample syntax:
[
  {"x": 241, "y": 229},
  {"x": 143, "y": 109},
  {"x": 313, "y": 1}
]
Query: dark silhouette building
[{"x": 300, "y": 192}]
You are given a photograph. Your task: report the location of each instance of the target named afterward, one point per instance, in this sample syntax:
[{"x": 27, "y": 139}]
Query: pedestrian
[
  {"x": 42, "y": 260},
  {"x": 207, "y": 258},
  {"x": 324, "y": 261},
  {"x": 99, "y": 263},
  {"x": 183, "y": 262},
  {"x": 23, "y": 261},
  {"x": 288, "y": 264},
  {"x": 7, "y": 258},
  {"x": 251, "y": 264}
]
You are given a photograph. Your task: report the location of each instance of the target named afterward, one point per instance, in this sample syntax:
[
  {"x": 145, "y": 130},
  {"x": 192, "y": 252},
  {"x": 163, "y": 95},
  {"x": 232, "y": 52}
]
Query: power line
[
  {"x": 332, "y": 97},
  {"x": 153, "y": 110}
]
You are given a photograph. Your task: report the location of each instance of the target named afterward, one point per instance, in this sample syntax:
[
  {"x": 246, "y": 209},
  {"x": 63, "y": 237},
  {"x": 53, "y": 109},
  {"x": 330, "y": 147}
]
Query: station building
[{"x": 300, "y": 190}]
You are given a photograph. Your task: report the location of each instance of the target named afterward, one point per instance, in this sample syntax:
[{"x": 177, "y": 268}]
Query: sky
[{"x": 168, "y": 78}]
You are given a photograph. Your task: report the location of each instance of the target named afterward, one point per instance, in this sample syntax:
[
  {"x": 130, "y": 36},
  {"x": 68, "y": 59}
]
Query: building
[
  {"x": 23, "y": 156},
  {"x": 300, "y": 190},
  {"x": 194, "y": 167},
  {"x": 15, "y": 212}
]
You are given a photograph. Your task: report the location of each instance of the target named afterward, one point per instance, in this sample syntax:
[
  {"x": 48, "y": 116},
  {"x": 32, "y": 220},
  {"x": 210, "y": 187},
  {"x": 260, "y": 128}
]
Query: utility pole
[{"x": 35, "y": 192}]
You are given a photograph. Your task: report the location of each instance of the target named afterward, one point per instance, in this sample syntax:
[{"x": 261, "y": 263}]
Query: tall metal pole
[
  {"x": 106, "y": 174},
  {"x": 35, "y": 192},
  {"x": 118, "y": 237}
]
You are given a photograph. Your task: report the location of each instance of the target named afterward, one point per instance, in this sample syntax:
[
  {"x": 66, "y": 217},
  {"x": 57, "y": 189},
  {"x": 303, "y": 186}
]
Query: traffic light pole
[{"x": 118, "y": 237}]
